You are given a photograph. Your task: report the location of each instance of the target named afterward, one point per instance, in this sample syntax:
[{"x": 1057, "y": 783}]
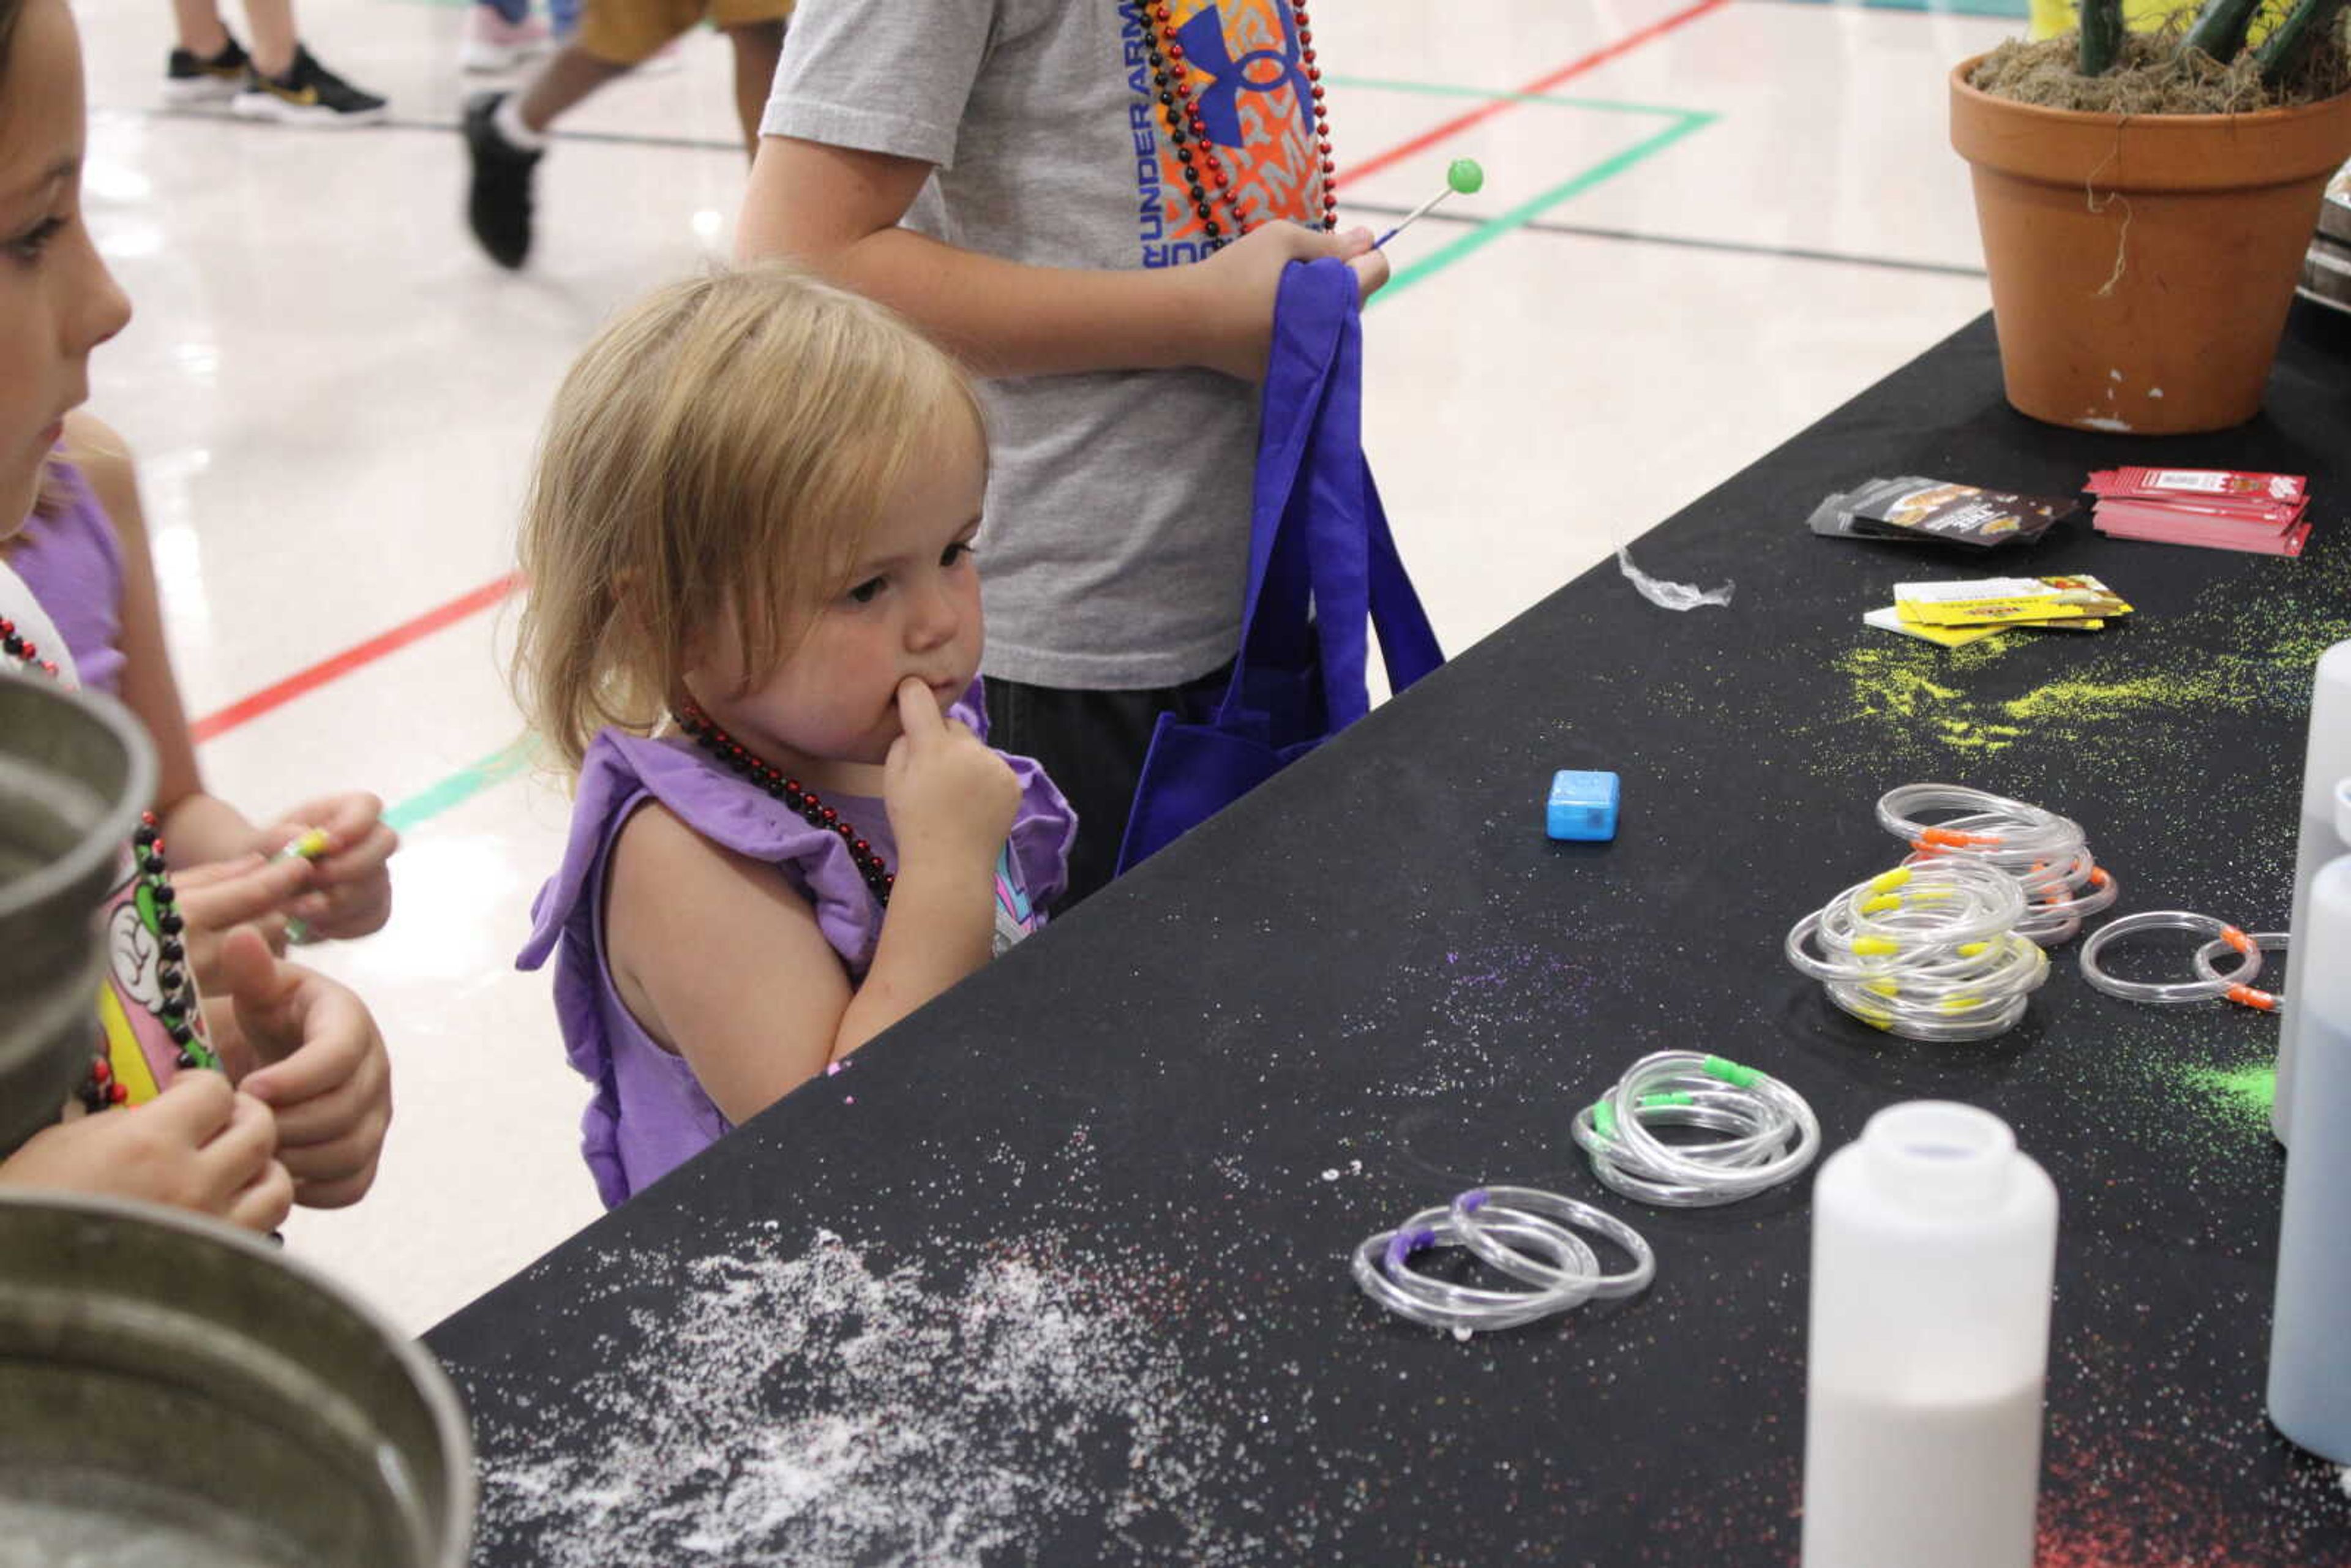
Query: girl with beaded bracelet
[
  {"x": 753, "y": 635},
  {"x": 306, "y": 1119}
]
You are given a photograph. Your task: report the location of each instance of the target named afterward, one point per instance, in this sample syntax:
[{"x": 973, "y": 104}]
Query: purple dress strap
[
  {"x": 647, "y": 1113},
  {"x": 72, "y": 562}
]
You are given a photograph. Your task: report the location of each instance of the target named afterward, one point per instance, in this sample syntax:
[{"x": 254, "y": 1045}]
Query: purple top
[
  {"x": 73, "y": 564},
  {"x": 648, "y": 1113}
]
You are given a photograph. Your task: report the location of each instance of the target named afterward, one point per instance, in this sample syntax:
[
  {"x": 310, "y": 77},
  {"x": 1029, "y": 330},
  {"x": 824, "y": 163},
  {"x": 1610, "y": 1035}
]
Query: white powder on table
[{"x": 809, "y": 1409}]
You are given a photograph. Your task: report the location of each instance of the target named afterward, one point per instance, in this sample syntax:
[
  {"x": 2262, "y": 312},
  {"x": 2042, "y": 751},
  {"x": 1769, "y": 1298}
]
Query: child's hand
[
  {"x": 947, "y": 794},
  {"x": 323, "y": 1072},
  {"x": 1235, "y": 302},
  {"x": 199, "y": 1144},
  {"x": 213, "y": 900},
  {"x": 350, "y": 888}
]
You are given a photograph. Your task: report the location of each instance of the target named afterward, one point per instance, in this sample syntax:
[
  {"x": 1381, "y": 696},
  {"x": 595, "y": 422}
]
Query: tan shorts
[{"x": 628, "y": 32}]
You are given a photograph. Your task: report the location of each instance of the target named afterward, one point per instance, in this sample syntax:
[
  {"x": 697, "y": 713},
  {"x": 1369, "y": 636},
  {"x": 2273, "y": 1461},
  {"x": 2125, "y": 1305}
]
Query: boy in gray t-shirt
[{"x": 1052, "y": 189}]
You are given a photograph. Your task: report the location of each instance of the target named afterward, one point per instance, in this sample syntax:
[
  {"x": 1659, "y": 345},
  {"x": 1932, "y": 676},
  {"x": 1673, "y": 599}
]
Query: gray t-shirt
[{"x": 1115, "y": 546}]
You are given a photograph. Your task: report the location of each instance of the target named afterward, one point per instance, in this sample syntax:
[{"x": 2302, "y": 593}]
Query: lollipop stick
[
  {"x": 1412, "y": 217},
  {"x": 1464, "y": 176}
]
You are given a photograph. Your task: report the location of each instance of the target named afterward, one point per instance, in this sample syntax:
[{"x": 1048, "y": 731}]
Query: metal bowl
[
  {"x": 175, "y": 1394},
  {"x": 76, "y": 770}
]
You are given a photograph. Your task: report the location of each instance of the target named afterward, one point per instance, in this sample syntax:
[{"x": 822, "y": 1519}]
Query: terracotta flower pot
[{"x": 2142, "y": 266}]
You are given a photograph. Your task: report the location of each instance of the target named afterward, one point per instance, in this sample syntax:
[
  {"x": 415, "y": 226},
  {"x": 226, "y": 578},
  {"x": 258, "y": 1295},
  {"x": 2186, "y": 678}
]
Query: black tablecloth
[{"x": 1057, "y": 1269}]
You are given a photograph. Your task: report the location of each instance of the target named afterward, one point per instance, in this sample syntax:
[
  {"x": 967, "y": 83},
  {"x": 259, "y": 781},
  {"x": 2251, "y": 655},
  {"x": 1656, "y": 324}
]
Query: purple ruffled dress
[
  {"x": 73, "y": 563},
  {"x": 648, "y": 1114}
]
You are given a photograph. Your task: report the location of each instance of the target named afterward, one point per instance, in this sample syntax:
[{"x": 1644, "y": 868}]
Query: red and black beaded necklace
[
  {"x": 181, "y": 1013},
  {"x": 23, "y": 651},
  {"x": 731, "y": 753},
  {"x": 1186, "y": 128}
]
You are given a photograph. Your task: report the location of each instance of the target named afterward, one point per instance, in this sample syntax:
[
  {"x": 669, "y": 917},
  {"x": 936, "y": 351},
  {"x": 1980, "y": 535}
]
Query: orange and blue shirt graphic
[{"x": 1242, "y": 61}]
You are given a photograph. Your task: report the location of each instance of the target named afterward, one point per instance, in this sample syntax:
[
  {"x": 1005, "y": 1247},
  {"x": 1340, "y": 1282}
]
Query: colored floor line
[
  {"x": 303, "y": 682},
  {"x": 1685, "y": 242},
  {"x": 1541, "y": 84},
  {"x": 448, "y": 794},
  {"x": 1526, "y": 212},
  {"x": 1452, "y": 89}
]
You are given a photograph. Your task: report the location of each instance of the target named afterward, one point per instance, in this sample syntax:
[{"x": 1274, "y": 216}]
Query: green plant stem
[
  {"x": 2102, "y": 34},
  {"x": 2283, "y": 51},
  {"x": 2220, "y": 27}
]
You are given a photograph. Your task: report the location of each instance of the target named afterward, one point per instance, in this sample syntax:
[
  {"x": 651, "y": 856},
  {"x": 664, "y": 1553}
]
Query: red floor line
[
  {"x": 1352, "y": 172},
  {"x": 304, "y": 682},
  {"x": 327, "y": 671}
]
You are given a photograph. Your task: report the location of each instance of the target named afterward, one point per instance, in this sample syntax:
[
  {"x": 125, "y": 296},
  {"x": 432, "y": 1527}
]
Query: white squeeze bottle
[
  {"x": 2310, "y": 1338},
  {"x": 2325, "y": 762},
  {"x": 1934, "y": 1253}
]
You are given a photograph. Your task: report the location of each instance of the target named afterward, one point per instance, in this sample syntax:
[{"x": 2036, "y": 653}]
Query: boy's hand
[
  {"x": 1238, "y": 287},
  {"x": 323, "y": 1072},
  {"x": 199, "y": 1145},
  {"x": 947, "y": 793},
  {"x": 350, "y": 888}
]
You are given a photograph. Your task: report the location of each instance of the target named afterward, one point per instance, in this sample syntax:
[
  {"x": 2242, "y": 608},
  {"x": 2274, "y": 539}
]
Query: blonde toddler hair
[{"x": 720, "y": 450}]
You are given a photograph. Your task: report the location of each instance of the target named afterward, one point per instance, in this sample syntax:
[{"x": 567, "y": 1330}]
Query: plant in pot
[{"x": 2146, "y": 201}]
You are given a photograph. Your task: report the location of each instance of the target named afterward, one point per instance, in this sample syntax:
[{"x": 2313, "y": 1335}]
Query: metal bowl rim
[
  {"x": 430, "y": 1383},
  {"x": 107, "y": 841}
]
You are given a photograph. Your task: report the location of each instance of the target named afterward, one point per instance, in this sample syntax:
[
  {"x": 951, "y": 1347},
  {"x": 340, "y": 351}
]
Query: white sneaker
[{"x": 493, "y": 46}]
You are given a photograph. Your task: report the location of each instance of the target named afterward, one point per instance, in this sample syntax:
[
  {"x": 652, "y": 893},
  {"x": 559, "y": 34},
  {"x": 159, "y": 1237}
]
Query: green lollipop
[{"x": 1464, "y": 175}]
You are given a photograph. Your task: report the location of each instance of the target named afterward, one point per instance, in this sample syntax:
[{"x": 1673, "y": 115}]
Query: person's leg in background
[
  {"x": 279, "y": 80},
  {"x": 758, "y": 45},
  {"x": 506, "y": 134},
  {"x": 501, "y": 35}
]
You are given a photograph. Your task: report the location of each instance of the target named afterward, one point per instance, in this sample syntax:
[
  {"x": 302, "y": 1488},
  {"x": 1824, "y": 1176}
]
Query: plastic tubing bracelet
[
  {"x": 2204, "y": 990},
  {"x": 2048, "y": 855},
  {"x": 1522, "y": 1233},
  {"x": 2207, "y": 964},
  {"x": 1771, "y": 1135},
  {"x": 1927, "y": 951}
]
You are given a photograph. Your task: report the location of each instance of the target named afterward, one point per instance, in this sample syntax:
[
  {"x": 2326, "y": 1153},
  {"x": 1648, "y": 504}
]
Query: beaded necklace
[
  {"x": 734, "y": 755},
  {"x": 1187, "y": 126}
]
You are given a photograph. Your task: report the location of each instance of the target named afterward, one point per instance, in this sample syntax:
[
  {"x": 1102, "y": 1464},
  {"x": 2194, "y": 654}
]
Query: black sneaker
[
  {"x": 191, "y": 79},
  {"x": 498, "y": 202},
  {"x": 307, "y": 94}
]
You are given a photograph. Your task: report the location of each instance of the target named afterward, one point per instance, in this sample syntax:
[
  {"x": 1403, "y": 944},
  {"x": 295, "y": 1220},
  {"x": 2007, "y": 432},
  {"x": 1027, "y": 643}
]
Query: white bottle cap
[{"x": 2343, "y": 810}]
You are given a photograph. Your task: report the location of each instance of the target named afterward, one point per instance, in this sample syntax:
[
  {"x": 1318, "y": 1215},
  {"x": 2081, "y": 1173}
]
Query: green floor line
[
  {"x": 1527, "y": 212},
  {"x": 508, "y": 762}
]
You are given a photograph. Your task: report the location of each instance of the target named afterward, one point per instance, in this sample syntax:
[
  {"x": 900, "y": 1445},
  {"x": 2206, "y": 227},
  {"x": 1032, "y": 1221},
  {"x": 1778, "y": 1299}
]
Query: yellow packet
[
  {"x": 1890, "y": 620},
  {"x": 2006, "y": 601}
]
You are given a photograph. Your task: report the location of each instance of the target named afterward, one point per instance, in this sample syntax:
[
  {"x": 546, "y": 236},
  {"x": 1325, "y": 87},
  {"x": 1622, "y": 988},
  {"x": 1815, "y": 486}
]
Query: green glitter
[
  {"x": 1465, "y": 176},
  {"x": 2242, "y": 1095}
]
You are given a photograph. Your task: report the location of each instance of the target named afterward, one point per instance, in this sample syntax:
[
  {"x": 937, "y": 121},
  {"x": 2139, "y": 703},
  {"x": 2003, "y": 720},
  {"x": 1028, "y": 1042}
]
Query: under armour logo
[{"x": 1205, "y": 50}]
